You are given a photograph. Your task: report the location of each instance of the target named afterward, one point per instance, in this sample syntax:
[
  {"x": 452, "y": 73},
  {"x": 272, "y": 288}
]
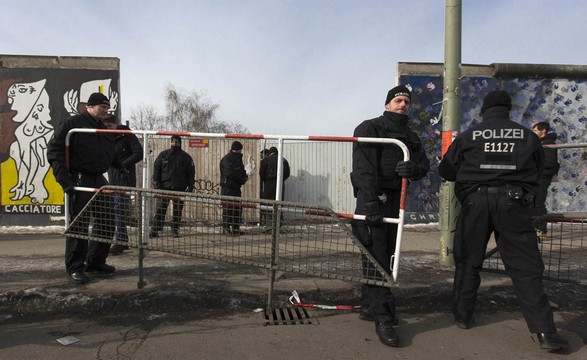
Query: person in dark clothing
[
  {"x": 551, "y": 166},
  {"x": 268, "y": 174},
  {"x": 377, "y": 171},
  {"x": 129, "y": 151},
  {"x": 90, "y": 156},
  {"x": 174, "y": 170},
  {"x": 232, "y": 177},
  {"x": 496, "y": 166},
  {"x": 263, "y": 215}
]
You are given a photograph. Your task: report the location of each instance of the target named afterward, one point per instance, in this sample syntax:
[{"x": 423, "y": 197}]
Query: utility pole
[{"x": 451, "y": 119}]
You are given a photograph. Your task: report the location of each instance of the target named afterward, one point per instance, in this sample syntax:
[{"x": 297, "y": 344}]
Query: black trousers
[
  {"x": 162, "y": 205},
  {"x": 490, "y": 210},
  {"x": 231, "y": 215},
  {"x": 270, "y": 192},
  {"x": 380, "y": 242},
  {"x": 540, "y": 202},
  {"x": 80, "y": 251}
]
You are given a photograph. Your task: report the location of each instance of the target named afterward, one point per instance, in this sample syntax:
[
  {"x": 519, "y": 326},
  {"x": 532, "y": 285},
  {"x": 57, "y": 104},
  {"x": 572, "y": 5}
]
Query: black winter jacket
[
  {"x": 129, "y": 151},
  {"x": 495, "y": 152},
  {"x": 374, "y": 164},
  {"x": 268, "y": 168},
  {"x": 232, "y": 171},
  {"x": 174, "y": 170},
  {"x": 551, "y": 164},
  {"x": 91, "y": 153}
]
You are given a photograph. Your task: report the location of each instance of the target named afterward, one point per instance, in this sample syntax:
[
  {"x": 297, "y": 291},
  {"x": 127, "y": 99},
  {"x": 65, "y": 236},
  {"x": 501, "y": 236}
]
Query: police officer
[
  {"x": 496, "y": 166},
  {"x": 268, "y": 175},
  {"x": 90, "y": 157},
  {"x": 232, "y": 176},
  {"x": 376, "y": 177},
  {"x": 174, "y": 170}
]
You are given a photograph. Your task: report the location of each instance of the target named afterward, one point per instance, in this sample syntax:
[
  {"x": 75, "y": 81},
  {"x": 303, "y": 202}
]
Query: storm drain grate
[{"x": 288, "y": 316}]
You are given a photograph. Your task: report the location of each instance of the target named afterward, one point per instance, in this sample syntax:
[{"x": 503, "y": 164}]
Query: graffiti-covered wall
[
  {"x": 561, "y": 102},
  {"x": 36, "y": 94}
]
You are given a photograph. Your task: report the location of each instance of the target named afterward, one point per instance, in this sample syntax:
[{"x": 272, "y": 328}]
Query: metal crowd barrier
[
  {"x": 309, "y": 239},
  {"x": 564, "y": 248}
]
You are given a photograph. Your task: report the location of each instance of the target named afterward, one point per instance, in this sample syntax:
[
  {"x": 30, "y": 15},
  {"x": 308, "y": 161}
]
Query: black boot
[
  {"x": 552, "y": 341},
  {"x": 386, "y": 333}
]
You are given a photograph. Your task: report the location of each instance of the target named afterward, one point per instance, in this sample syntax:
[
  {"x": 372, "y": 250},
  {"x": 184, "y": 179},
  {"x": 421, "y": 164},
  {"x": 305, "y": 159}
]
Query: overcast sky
[{"x": 297, "y": 67}]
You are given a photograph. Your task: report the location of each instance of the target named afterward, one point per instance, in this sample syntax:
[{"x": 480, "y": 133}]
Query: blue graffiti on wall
[{"x": 560, "y": 102}]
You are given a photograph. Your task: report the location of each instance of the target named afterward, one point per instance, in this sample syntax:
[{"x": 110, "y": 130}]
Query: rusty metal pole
[{"x": 451, "y": 119}]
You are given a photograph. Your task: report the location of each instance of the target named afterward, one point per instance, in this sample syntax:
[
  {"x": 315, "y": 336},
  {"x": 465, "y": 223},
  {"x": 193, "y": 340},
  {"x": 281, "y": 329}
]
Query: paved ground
[{"x": 191, "y": 308}]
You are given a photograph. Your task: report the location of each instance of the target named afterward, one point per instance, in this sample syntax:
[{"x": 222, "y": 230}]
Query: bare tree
[
  {"x": 145, "y": 117},
  {"x": 193, "y": 111},
  {"x": 184, "y": 111}
]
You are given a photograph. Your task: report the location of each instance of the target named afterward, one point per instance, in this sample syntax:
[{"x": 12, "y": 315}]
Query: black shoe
[
  {"x": 387, "y": 334},
  {"x": 552, "y": 341},
  {"x": 176, "y": 233},
  {"x": 117, "y": 249},
  {"x": 153, "y": 234},
  {"x": 78, "y": 277},
  {"x": 465, "y": 324},
  {"x": 100, "y": 269}
]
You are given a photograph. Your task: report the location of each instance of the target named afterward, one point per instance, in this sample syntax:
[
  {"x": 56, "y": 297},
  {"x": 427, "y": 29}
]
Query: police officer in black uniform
[
  {"x": 376, "y": 177},
  {"x": 90, "y": 156},
  {"x": 232, "y": 176},
  {"x": 496, "y": 166},
  {"x": 174, "y": 170},
  {"x": 268, "y": 175}
]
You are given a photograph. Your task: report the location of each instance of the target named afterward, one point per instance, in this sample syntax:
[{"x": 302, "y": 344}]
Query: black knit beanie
[
  {"x": 176, "y": 137},
  {"x": 399, "y": 90},
  {"x": 236, "y": 146},
  {"x": 496, "y": 98}
]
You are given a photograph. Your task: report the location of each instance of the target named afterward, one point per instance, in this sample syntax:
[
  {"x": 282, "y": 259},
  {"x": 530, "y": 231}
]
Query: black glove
[
  {"x": 374, "y": 220},
  {"x": 406, "y": 169},
  {"x": 68, "y": 189},
  {"x": 374, "y": 217}
]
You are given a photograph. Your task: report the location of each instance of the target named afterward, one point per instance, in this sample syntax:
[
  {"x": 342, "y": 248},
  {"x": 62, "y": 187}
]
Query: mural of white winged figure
[
  {"x": 29, "y": 151},
  {"x": 73, "y": 98}
]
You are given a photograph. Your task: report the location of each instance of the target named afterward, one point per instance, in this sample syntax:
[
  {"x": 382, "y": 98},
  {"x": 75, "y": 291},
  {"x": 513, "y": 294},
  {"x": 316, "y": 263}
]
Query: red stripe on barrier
[
  {"x": 333, "y": 138},
  {"x": 244, "y": 136},
  {"x": 180, "y": 133},
  {"x": 239, "y": 204},
  {"x": 317, "y": 212},
  {"x": 403, "y": 194}
]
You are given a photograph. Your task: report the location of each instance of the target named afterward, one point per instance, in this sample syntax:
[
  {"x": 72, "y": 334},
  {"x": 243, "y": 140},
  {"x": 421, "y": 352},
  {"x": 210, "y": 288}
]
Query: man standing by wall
[
  {"x": 551, "y": 167},
  {"x": 90, "y": 156},
  {"x": 376, "y": 177},
  {"x": 496, "y": 166},
  {"x": 232, "y": 177},
  {"x": 268, "y": 174},
  {"x": 129, "y": 151},
  {"x": 174, "y": 170}
]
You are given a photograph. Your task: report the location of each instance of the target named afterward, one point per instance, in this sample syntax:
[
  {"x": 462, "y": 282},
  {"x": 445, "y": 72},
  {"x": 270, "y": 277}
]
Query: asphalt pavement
[{"x": 194, "y": 308}]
